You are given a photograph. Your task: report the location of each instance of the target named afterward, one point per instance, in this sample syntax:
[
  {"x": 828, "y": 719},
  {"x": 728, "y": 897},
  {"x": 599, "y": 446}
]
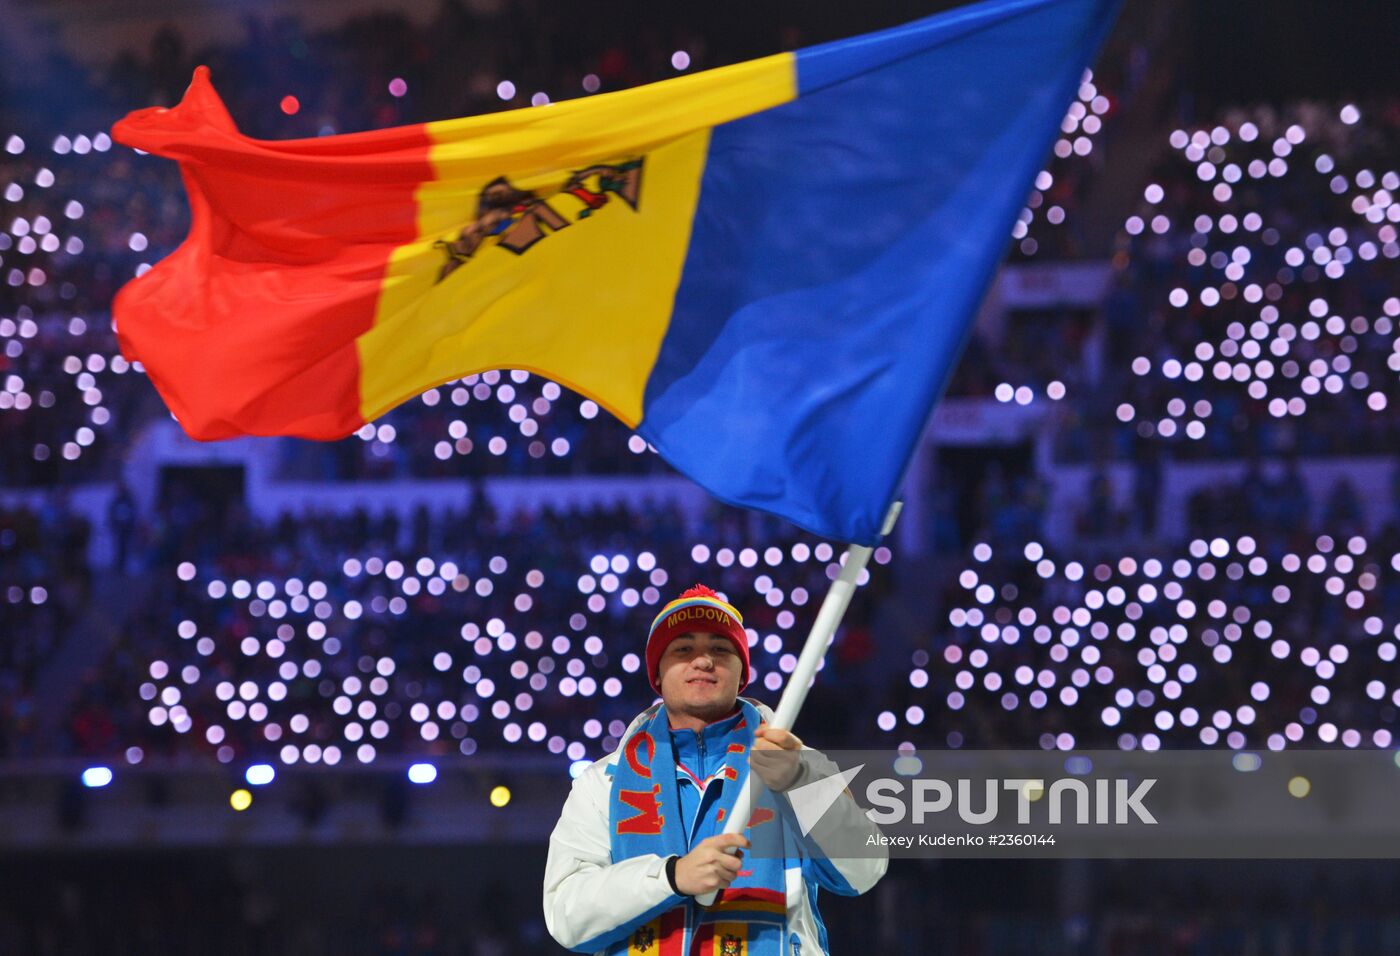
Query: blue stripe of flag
[{"x": 840, "y": 249}]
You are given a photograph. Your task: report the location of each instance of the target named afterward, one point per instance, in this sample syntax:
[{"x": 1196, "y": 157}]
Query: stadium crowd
[
  {"x": 1273, "y": 625},
  {"x": 44, "y": 582},
  {"x": 1254, "y": 311},
  {"x": 440, "y": 633},
  {"x": 316, "y": 614}
]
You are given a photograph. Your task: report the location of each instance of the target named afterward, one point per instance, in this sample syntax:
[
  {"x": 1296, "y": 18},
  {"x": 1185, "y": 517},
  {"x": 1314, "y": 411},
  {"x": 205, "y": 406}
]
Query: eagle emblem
[{"x": 518, "y": 218}]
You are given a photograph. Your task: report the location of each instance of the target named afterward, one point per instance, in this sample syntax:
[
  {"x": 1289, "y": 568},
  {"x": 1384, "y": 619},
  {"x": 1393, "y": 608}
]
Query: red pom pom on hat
[{"x": 699, "y": 591}]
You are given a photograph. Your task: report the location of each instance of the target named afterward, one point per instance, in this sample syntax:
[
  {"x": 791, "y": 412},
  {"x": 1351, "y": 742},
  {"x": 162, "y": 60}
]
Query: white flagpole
[{"x": 833, "y": 608}]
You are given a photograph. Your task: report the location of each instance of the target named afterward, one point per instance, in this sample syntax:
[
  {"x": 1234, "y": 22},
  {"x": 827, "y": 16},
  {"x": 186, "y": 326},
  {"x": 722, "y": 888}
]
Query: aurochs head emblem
[{"x": 518, "y": 218}]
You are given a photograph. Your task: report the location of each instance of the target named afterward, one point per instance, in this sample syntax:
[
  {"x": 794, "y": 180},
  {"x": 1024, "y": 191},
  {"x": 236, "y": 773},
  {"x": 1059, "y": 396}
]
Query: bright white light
[{"x": 95, "y": 777}]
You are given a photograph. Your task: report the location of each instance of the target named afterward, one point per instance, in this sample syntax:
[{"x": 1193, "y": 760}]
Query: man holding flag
[
  {"x": 767, "y": 270},
  {"x": 639, "y": 837}
]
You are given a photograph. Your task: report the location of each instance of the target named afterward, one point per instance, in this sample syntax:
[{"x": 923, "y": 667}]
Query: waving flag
[{"x": 766, "y": 269}]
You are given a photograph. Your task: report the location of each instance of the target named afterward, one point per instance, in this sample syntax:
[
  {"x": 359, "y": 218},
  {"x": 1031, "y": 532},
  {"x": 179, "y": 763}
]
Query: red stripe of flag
[
  {"x": 672, "y": 932},
  {"x": 740, "y": 894},
  {"x": 250, "y": 326}
]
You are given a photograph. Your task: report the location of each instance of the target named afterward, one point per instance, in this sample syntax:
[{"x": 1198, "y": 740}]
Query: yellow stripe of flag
[{"x": 589, "y": 303}]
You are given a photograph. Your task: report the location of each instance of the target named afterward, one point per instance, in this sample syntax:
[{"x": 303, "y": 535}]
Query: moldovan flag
[{"x": 766, "y": 269}]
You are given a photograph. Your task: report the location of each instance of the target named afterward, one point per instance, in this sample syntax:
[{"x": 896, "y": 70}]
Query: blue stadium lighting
[
  {"x": 422, "y": 773},
  {"x": 260, "y": 774},
  {"x": 579, "y": 766},
  {"x": 95, "y": 777}
]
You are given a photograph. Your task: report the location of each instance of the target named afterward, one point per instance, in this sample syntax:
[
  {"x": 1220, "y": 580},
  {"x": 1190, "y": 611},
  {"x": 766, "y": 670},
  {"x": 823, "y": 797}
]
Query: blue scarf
[{"x": 749, "y": 918}]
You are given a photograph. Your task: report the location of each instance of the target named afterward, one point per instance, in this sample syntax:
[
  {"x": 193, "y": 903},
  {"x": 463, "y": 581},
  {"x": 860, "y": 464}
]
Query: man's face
[{"x": 700, "y": 675}]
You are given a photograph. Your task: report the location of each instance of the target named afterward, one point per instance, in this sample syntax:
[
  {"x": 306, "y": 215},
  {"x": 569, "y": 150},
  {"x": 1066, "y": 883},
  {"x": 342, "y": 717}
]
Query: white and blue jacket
[{"x": 590, "y": 901}]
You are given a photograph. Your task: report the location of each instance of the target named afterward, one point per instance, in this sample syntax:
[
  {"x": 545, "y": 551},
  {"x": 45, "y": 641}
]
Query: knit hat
[{"x": 703, "y": 611}]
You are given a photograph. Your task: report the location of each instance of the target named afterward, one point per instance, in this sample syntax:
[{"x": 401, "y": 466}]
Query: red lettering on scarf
[
  {"x": 648, "y": 819},
  {"x": 760, "y": 815},
  {"x": 641, "y": 769}
]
